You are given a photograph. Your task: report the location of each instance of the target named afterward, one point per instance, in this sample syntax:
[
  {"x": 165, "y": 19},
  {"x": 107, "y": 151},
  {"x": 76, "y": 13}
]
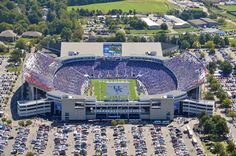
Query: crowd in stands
[
  {"x": 153, "y": 75},
  {"x": 181, "y": 72},
  {"x": 39, "y": 69},
  {"x": 187, "y": 69}
]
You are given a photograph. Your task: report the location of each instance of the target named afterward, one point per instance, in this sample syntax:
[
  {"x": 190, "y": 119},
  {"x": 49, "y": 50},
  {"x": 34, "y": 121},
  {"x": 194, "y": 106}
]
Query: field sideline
[
  {"x": 141, "y": 6},
  {"x": 99, "y": 89}
]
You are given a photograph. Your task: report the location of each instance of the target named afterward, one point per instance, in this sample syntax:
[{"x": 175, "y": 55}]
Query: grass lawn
[
  {"x": 228, "y": 26},
  {"x": 224, "y": 14},
  {"x": 141, "y": 6},
  {"x": 206, "y": 146},
  {"x": 99, "y": 89},
  {"x": 232, "y": 40},
  {"x": 147, "y": 31},
  {"x": 17, "y": 69},
  {"x": 230, "y": 7},
  {"x": 183, "y": 30}
]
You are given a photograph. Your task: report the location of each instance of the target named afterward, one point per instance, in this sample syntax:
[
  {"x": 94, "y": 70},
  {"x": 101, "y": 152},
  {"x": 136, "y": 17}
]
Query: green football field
[
  {"x": 99, "y": 89},
  {"x": 141, "y": 6}
]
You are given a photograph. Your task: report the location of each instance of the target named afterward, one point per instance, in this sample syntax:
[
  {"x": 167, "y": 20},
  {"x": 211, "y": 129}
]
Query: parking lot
[{"x": 100, "y": 139}]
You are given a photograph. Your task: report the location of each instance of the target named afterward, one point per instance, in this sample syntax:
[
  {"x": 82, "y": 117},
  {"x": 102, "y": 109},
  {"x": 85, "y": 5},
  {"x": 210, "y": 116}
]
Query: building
[
  {"x": 7, "y": 36},
  {"x": 34, "y": 107},
  {"x": 190, "y": 107},
  {"x": 203, "y": 22},
  {"x": 151, "y": 24},
  {"x": 210, "y": 22},
  {"x": 135, "y": 83},
  {"x": 197, "y": 23},
  {"x": 32, "y": 34},
  {"x": 177, "y": 22}
]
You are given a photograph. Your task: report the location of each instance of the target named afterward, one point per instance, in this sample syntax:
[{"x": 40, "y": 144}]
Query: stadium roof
[{"x": 96, "y": 48}]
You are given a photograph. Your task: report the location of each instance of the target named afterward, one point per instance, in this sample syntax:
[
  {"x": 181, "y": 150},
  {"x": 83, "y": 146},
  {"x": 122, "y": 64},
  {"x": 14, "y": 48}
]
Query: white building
[
  {"x": 191, "y": 107},
  {"x": 151, "y": 24},
  {"x": 177, "y": 22}
]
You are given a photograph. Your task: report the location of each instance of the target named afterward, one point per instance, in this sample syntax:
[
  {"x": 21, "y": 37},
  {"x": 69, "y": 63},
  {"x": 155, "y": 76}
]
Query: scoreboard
[{"x": 112, "y": 49}]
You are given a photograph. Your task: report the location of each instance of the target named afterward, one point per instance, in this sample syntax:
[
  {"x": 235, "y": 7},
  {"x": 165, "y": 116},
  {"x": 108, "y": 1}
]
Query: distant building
[
  {"x": 210, "y": 22},
  {"x": 7, "y": 36},
  {"x": 32, "y": 34},
  {"x": 177, "y": 22},
  {"x": 151, "y": 24},
  {"x": 203, "y": 22},
  {"x": 197, "y": 23}
]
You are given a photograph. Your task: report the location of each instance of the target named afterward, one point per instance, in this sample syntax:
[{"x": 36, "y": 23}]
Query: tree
[
  {"x": 226, "y": 103},
  {"x": 78, "y": 34},
  {"x": 226, "y": 68},
  {"x": 216, "y": 39},
  {"x": 215, "y": 86},
  {"x": 21, "y": 123},
  {"x": 29, "y": 154},
  {"x": 136, "y": 23},
  {"x": 3, "y": 49},
  {"x": 160, "y": 37},
  {"x": 28, "y": 123},
  {"x": 120, "y": 37},
  {"x": 4, "y": 119},
  {"x": 10, "y": 5},
  {"x": 16, "y": 56},
  {"x": 100, "y": 39},
  {"x": 9, "y": 122},
  {"x": 121, "y": 122},
  {"x": 221, "y": 127},
  {"x": 226, "y": 39},
  {"x": 21, "y": 44},
  {"x": 221, "y": 95},
  {"x": 209, "y": 44},
  {"x": 202, "y": 39},
  {"x": 230, "y": 146},
  {"x": 196, "y": 45},
  {"x": 209, "y": 96},
  {"x": 66, "y": 34},
  {"x": 164, "y": 26},
  {"x": 113, "y": 122},
  {"x": 143, "y": 39},
  {"x": 212, "y": 51},
  {"x": 212, "y": 67},
  {"x": 218, "y": 148},
  {"x": 5, "y": 26},
  {"x": 202, "y": 55},
  {"x": 185, "y": 44}
]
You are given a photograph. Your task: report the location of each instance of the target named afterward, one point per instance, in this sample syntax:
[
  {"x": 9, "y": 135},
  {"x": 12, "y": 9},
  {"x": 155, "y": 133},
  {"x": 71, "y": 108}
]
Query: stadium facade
[{"x": 63, "y": 86}]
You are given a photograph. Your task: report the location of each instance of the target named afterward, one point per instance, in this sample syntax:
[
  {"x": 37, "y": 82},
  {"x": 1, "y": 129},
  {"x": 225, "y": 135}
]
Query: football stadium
[{"x": 91, "y": 81}]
